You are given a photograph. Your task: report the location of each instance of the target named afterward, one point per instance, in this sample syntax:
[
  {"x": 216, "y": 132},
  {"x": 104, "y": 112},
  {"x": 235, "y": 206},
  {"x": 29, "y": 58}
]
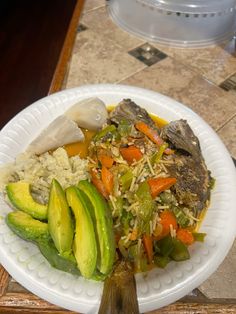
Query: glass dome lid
[{"x": 191, "y": 6}]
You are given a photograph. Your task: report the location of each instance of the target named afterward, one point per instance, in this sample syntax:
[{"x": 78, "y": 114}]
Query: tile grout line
[
  {"x": 226, "y": 122},
  {"x": 94, "y": 9},
  {"x": 229, "y": 76},
  {"x": 196, "y": 71},
  {"x": 136, "y": 72}
]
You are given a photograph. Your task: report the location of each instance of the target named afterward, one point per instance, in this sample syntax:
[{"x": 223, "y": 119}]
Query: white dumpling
[
  {"x": 89, "y": 113},
  {"x": 60, "y": 131}
]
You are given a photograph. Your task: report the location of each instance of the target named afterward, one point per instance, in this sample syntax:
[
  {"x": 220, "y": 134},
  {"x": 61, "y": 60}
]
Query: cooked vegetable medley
[{"x": 146, "y": 192}]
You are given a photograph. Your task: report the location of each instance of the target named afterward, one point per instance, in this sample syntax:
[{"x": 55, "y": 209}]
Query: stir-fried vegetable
[
  {"x": 199, "y": 236},
  {"x": 148, "y": 245},
  {"x": 168, "y": 221},
  {"x": 126, "y": 180},
  {"x": 99, "y": 184},
  {"x": 149, "y": 132},
  {"x": 185, "y": 236},
  {"x": 158, "y": 155},
  {"x": 152, "y": 135},
  {"x": 106, "y": 160},
  {"x": 131, "y": 172},
  {"x": 107, "y": 179},
  {"x": 131, "y": 153},
  {"x": 106, "y": 133},
  {"x": 159, "y": 185}
]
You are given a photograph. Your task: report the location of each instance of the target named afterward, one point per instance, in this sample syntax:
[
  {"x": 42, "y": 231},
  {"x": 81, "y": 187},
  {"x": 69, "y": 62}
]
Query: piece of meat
[
  {"x": 193, "y": 178},
  {"x": 131, "y": 112}
]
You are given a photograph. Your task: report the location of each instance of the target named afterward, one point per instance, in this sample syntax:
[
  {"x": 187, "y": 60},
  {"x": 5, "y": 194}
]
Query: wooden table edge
[
  {"x": 30, "y": 303},
  {"x": 65, "y": 55}
]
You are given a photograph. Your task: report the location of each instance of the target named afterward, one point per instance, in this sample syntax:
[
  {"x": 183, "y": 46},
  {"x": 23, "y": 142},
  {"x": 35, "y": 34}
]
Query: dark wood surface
[{"x": 32, "y": 34}]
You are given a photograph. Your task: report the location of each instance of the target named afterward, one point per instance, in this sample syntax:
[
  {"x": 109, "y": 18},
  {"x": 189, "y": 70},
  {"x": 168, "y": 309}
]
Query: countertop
[
  {"x": 202, "y": 79},
  {"x": 198, "y": 78}
]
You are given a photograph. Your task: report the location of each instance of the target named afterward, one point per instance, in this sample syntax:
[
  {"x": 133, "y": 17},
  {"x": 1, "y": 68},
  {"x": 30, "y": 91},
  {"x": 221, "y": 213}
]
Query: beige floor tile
[
  {"x": 97, "y": 59},
  {"x": 215, "y": 63},
  {"x": 99, "y": 21},
  {"x": 227, "y": 134},
  {"x": 222, "y": 284},
  {"x": 93, "y": 4},
  {"x": 174, "y": 79}
]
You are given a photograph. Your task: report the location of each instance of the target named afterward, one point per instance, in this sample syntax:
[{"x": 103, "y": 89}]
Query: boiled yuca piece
[
  {"x": 60, "y": 131},
  {"x": 89, "y": 113}
]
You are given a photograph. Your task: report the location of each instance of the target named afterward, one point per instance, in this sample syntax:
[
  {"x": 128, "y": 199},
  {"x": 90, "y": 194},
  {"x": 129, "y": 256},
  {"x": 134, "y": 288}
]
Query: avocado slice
[
  {"x": 20, "y": 197},
  {"x": 49, "y": 251},
  {"x": 84, "y": 246},
  {"x": 59, "y": 220},
  {"x": 103, "y": 227},
  {"x": 69, "y": 265},
  {"x": 27, "y": 227}
]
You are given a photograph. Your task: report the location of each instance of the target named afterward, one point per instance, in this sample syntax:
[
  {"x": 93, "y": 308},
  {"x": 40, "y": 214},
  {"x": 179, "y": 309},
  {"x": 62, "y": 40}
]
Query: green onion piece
[
  {"x": 153, "y": 158},
  {"x": 145, "y": 206},
  {"x": 126, "y": 180},
  {"x": 125, "y": 221},
  {"x": 116, "y": 206},
  {"x": 124, "y": 127},
  {"x": 167, "y": 198},
  {"x": 160, "y": 152},
  {"x": 181, "y": 217},
  {"x": 198, "y": 236},
  {"x": 109, "y": 130},
  {"x": 180, "y": 251}
]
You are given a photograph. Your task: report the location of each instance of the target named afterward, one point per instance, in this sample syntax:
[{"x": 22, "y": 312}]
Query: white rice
[{"x": 40, "y": 170}]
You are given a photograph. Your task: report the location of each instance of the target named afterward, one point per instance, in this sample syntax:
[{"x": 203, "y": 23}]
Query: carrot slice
[
  {"x": 99, "y": 184},
  {"x": 167, "y": 218},
  {"x": 106, "y": 161},
  {"x": 159, "y": 185},
  {"x": 107, "y": 179},
  {"x": 185, "y": 236},
  {"x": 131, "y": 153},
  {"x": 148, "y": 245},
  {"x": 152, "y": 135},
  {"x": 149, "y": 132}
]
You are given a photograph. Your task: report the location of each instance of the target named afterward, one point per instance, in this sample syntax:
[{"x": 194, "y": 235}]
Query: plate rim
[{"x": 150, "y": 303}]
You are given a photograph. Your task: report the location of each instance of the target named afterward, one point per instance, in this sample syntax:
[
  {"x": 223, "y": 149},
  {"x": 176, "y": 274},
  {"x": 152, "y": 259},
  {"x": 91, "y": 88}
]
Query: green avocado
[
  {"x": 69, "y": 265},
  {"x": 27, "y": 227},
  {"x": 49, "y": 251},
  {"x": 103, "y": 227},
  {"x": 84, "y": 246},
  {"x": 20, "y": 197},
  {"x": 60, "y": 220}
]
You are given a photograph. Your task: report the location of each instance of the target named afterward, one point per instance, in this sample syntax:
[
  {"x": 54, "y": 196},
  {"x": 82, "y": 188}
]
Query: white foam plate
[{"x": 25, "y": 263}]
